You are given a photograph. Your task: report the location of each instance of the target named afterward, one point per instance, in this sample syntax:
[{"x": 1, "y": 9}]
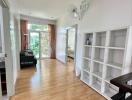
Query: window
[{"x": 37, "y": 27}]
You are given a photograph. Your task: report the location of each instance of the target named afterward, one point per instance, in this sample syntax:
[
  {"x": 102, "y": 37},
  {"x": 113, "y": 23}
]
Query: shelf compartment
[
  {"x": 86, "y": 58},
  {"x": 100, "y": 39},
  {"x": 116, "y": 48},
  {"x": 85, "y": 77},
  {"x": 96, "y": 83},
  {"x": 99, "y": 54},
  {"x": 88, "y": 39},
  {"x": 86, "y": 65},
  {"x": 87, "y": 52},
  {"x": 110, "y": 89},
  {"x": 98, "y": 69},
  {"x": 118, "y": 38},
  {"x": 112, "y": 73},
  {"x": 87, "y": 45},
  {"x": 116, "y": 57}
]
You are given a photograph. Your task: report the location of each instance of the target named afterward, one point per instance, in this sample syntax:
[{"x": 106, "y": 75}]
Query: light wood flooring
[{"x": 52, "y": 80}]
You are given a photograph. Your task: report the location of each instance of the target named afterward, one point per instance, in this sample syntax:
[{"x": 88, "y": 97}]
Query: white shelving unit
[
  {"x": 98, "y": 69},
  {"x": 88, "y": 51},
  {"x": 86, "y": 65},
  {"x": 100, "y": 39},
  {"x": 116, "y": 57},
  {"x": 96, "y": 83},
  {"x": 99, "y": 54},
  {"x": 106, "y": 55},
  {"x": 88, "y": 39},
  {"x": 110, "y": 90},
  {"x": 118, "y": 37},
  {"x": 112, "y": 73},
  {"x": 85, "y": 77}
]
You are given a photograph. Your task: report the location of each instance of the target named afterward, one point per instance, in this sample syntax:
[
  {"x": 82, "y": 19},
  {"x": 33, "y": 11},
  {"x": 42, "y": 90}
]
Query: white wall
[
  {"x": 37, "y": 20},
  {"x": 13, "y": 48},
  {"x": 15, "y": 42},
  {"x": 101, "y": 15},
  {"x": 18, "y": 39},
  {"x": 5, "y": 22}
]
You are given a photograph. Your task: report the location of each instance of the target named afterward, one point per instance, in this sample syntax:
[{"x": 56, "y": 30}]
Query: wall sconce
[
  {"x": 81, "y": 11},
  {"x": 75, "y": 13}
]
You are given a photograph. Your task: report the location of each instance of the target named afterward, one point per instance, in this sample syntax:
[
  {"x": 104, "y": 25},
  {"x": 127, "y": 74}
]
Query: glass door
[
  {"x": 40, "y": 44},
  {"x": 34, "y": 41},
  {"x": 45, "y": 45}
]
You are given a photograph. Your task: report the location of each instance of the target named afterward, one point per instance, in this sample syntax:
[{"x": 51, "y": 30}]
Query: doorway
[
  {"x": 71, "y": 45},
  {"x": 39, "y": 43},
  {"x": 35, "y": 44}
]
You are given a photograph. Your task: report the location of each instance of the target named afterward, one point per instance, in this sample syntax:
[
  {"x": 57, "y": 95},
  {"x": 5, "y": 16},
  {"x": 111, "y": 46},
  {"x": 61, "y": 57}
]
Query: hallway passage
[{"x": 52, "y": 81}]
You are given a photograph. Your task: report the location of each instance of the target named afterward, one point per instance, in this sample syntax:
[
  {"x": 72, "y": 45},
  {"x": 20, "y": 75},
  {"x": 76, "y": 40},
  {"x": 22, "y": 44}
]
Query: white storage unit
[
  {"x": 117, "y": 37},
  {"x": 98, "y": 69},
  {"x": 112, "y": 72},
  {"x": 85, "y": 77},
  {"x": 106, "y": 55},
  {"x": 88, "y": 51},
  {"x": 96, "y": 83},
  {"x": 110, "y": 89},
  {"x": 115, "y": 57},
  {"x": 99, "y": 54},
  {"x": 100, "y": 39},
  {"x": 86, "y": 64}
]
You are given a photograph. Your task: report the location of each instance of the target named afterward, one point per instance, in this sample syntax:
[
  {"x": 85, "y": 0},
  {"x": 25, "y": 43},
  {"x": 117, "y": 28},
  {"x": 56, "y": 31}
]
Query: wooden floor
[{"x": 52, "y": 81}]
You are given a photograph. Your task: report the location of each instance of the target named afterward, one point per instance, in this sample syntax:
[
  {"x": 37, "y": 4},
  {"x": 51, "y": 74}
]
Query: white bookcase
[
  {"x": 100, "y": 39},
  {"x": 106, "y": 55},
  {"x": 96, "y": 83},
  {"x": 99, "y": 54},
  {"x": 98, "y": 69}
]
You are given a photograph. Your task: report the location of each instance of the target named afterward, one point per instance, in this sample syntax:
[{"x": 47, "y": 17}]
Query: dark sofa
[{"x": 27, "y": 58}]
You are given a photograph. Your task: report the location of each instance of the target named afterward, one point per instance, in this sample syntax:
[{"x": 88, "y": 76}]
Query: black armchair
[{"x": 27, "y": 58}]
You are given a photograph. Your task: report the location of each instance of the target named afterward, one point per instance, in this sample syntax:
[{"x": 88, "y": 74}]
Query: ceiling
[{"x": 49, "y": 9}]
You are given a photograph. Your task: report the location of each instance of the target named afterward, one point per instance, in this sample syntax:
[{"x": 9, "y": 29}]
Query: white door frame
[
  {"x": 8, "y": 52},
  {"x": 39, "y": 32},
  {"x": 2, "y": 43},
  {"x": 75, "y": 46}
]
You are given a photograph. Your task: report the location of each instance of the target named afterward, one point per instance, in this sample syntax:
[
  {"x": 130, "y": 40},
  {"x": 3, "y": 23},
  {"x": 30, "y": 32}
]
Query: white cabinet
[{"x": 106, "y": 55}]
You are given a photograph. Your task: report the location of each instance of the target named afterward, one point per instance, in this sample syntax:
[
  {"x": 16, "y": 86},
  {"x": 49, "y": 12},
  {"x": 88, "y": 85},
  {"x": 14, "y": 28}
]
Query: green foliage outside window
[
  {"x": 37, "y": 27},
  {"x": 35, "y": 44},
  {"x": 34, "y": 39}
]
